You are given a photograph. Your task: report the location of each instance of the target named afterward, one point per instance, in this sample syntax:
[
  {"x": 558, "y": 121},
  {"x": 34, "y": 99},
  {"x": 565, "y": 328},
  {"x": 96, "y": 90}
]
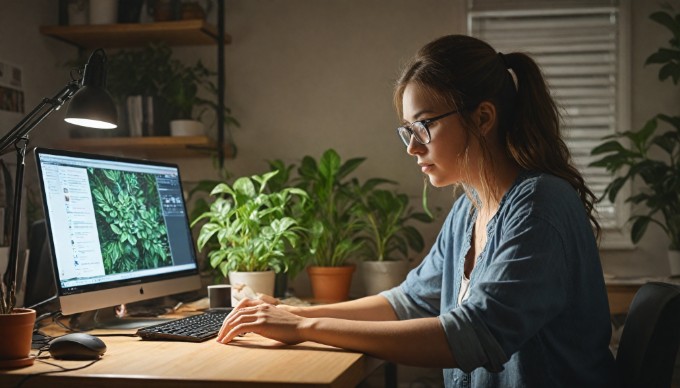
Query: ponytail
[
  {"x": 465, "y": 71},
  {"x": 534, "y": 138}
]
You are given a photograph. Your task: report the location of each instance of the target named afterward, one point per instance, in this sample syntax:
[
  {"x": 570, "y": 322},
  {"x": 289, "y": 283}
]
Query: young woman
[{"x": 511, "y": 294}]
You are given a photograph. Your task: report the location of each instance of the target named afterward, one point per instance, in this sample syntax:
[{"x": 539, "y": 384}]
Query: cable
[{"x": 62, "y": 369}]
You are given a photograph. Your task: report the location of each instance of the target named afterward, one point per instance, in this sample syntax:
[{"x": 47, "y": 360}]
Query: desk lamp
[{"x": 90, "y": 106}]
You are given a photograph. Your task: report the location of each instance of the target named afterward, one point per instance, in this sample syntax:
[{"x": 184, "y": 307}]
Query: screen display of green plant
[{"x": 132, "y": 230}]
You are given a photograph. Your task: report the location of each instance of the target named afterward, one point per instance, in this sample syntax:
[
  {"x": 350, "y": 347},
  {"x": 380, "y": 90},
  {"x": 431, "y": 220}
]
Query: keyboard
[{"x": 194, "y": 328}]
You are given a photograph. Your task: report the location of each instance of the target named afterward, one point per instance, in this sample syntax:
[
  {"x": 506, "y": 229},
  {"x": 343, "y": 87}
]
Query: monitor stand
[{"x": 107, "y": 318}]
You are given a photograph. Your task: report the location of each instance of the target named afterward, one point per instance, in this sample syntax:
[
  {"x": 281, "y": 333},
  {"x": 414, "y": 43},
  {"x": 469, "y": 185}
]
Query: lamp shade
[{"x": 92, "y": 107}]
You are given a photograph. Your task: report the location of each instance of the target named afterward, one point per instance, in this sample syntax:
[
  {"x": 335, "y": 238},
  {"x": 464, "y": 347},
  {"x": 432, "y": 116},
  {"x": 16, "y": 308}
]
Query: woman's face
[{"x": 443, "y": 158}]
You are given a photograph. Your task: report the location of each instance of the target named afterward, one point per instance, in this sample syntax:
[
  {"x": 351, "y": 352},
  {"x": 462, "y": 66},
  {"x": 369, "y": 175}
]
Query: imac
[{"x": 118, "y": 229}]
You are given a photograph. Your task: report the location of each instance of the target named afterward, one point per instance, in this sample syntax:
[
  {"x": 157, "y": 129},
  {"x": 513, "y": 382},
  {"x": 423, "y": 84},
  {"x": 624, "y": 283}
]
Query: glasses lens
[
  {"x": 405, "y": 135},
  {"x": 420, "y": 132}
]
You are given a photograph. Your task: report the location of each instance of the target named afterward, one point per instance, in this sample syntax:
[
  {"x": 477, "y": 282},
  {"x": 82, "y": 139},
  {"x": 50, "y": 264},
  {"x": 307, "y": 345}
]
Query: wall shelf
[
  {"x": 174, "y": 33},
  {"x": 161, "y": 146}
]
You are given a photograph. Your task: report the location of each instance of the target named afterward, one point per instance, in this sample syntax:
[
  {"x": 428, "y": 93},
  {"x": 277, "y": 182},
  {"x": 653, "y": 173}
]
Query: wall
[
  {"x": 306, "y": 75},
  {"x": 309, "y": 75}
]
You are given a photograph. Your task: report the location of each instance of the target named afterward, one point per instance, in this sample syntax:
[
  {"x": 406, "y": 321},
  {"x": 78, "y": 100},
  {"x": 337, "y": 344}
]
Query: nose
[{"x": 414, "y": 147}]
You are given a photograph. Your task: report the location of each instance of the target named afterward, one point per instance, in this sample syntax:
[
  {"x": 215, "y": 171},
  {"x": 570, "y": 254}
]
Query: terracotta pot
[
  {"x": 330, "y": 284},
  {"x": 16, "y": 334}
]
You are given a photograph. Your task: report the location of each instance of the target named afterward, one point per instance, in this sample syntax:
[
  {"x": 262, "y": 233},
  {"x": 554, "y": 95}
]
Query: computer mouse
[{"x": 77, "y": 346}]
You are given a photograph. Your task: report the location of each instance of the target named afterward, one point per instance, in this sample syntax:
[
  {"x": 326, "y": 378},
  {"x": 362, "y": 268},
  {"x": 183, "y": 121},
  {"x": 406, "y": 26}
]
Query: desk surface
[{"x": 250, "y": 361}]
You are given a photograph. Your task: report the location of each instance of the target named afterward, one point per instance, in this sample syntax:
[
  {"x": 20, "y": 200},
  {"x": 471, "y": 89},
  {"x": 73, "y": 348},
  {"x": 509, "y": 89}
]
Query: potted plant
[
  {"x": 298, "y": 259},
  {"x": 652, "y": 155},
  {"x": 388, "y": 237},
  {"x": 333, "y": 224},
  {"x": 156, "y": 89},
  {"x": 136, "y": 80},
  {"x": 252, "y": 228}
]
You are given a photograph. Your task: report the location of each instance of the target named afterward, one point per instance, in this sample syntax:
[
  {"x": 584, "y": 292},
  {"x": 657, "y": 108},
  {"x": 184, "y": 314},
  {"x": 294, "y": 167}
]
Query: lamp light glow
[{"x": 90, "y": 123}]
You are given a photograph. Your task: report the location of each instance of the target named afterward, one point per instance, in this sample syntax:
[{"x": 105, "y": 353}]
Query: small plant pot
[
  {"x": 330, "y": 284},
  {"x": 380, "y": 276},
  {"x": 186, "y": 128},
  {"x": 16, "y": 334},
  {"x": 260, "y": 282}
]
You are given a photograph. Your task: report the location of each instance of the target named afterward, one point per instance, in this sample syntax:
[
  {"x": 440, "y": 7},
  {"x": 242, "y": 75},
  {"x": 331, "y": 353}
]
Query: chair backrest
[{"x": 650, "y": 337}]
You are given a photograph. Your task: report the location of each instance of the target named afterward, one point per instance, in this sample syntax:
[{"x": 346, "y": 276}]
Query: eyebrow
[{"x": 418, "y": 114}]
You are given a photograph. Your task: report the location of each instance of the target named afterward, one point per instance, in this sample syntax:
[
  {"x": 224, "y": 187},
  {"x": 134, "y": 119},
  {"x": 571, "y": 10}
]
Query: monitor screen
[{"x": 118, "y": 229}]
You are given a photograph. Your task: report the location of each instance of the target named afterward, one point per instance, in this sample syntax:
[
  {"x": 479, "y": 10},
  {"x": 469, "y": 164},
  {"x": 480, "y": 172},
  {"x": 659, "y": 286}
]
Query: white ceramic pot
[
  {"x": 186, "y": 128},
  {"x": 674, "y": 262},
  {"x": 379, "y": 276},
  {"x": 260, "y": 282},
  {"x": 104, "y": 12}
]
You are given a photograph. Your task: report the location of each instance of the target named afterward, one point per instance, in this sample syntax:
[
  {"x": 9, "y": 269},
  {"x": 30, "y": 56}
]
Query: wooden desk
[{"x": 251, "y": 361}]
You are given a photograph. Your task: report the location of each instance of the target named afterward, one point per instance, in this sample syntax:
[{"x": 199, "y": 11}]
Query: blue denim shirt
[{"x": 537, "y": 314}]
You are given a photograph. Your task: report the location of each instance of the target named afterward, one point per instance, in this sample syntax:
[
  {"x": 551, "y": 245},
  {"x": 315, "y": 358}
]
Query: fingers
[
  {"x": 244, "y": 322},
  {"x": 245, "y": 308},
  {"x": 268, "y": 299},
  {"x": 244, "y": 303}
]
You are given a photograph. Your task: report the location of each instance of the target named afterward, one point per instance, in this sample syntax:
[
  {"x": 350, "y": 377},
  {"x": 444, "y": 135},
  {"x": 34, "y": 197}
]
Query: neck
[{"x": 503, "y": 172}]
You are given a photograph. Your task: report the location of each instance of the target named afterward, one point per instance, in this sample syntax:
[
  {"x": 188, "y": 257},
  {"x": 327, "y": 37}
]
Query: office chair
[{"x": 650, "y": 337}]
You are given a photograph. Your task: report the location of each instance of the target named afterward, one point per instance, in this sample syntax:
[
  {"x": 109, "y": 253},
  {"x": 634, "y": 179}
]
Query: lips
[{"x": 426, "y": 167}]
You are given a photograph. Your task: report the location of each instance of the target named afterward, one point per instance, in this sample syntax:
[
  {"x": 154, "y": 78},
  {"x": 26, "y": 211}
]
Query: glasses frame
[{"x": 425, "y": 124}]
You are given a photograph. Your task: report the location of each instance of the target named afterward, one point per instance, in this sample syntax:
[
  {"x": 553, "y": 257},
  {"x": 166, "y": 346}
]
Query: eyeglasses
[{"x": 419, "y": 129}]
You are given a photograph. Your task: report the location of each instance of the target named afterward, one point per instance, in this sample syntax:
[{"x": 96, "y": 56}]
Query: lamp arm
[
  {"x": 28, "y": 123},
  {"x": 18, "y": 136}
]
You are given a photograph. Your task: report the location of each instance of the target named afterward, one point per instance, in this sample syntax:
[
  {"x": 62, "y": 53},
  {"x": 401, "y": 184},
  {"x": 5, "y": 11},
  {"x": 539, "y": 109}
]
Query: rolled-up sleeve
[
  {"x": 521, "y": 289},
  {"x": 504, "y": 308}
]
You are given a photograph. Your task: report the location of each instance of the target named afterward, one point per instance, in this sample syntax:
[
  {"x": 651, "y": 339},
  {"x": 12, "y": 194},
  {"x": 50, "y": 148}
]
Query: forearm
[
  {"x": 416, "y": 342},
  {"x": 370, "y": 308}
]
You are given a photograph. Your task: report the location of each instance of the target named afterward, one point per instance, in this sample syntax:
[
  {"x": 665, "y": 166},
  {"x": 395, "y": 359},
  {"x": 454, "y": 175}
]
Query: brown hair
[{"x": 463, "y": 71}]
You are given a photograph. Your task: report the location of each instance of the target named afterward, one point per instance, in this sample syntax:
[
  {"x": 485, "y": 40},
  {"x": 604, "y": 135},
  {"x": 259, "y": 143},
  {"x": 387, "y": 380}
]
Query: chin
[
  {"x": 434, "y": 181},
  {"x": 439, "y": 181}
]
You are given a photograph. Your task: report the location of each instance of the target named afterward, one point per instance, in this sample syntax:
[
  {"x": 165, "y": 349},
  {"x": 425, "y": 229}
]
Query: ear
[{"x": 485, "y": 117}]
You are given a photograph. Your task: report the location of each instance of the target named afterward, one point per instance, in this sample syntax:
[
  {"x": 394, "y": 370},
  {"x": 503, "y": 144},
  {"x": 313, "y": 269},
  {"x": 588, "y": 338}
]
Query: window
[{"x": 582, "y": 47}]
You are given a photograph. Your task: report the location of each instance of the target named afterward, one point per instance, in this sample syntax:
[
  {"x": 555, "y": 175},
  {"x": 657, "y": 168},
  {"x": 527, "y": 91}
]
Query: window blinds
[{"x": 577, "y": 49}]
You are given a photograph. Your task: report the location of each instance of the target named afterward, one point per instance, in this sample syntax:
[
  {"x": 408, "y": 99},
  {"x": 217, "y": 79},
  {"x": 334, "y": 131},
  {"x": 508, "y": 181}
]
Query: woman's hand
[{"x": 267, "y": 320}]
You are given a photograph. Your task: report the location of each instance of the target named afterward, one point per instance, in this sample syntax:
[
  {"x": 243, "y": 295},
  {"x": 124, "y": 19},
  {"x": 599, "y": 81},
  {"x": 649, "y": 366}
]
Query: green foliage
[
  {"x": 332, "y": 215},
  {"x": 151, "y": 71},
  {"x": 668, "y": 58},
  {"x": 252, "y": 226},
  {"x": 131, "y": 228},
  {"x": 386, "y": 218},
  {"x": 138, "y": 72},
  {"x": 632, "y": 152}
]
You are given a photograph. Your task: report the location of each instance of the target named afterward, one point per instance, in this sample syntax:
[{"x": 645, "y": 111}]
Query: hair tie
[{"x": 507, "y": 67}]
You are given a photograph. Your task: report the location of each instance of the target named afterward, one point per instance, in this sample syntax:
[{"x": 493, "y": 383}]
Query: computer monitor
[{"x": 118, "y": 229}]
